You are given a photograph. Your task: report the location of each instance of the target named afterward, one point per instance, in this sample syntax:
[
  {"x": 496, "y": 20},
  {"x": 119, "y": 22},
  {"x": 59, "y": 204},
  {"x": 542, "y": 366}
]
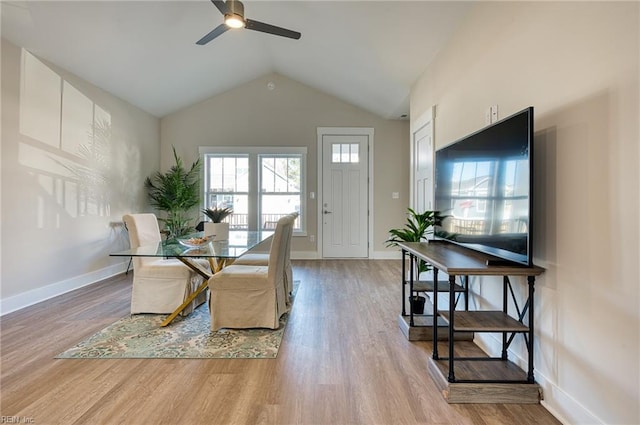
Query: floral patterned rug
[{"x": 141, "y": 336}]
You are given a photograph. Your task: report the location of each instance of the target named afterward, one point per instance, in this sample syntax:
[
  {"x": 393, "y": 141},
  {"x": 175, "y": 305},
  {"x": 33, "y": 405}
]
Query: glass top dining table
[
  {"x": 240, "y": 241},
  {"x": 219, "y": 253}
]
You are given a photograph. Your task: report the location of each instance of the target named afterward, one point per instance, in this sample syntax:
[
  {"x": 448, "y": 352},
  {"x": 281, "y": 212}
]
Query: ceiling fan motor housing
[{"x": 235, "y": 9}]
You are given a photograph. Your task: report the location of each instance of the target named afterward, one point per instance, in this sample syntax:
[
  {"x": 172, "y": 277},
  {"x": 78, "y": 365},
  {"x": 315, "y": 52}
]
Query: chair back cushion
[
  {"x": 288, "y": 270},
  {"x": 279, "y": 246},
  {"x": 143, "y": 229}
]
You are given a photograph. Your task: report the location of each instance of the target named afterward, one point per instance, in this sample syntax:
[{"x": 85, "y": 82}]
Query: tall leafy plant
[
  {"x": 176, "y": 192},
  {"x": 417, "y": 228}
]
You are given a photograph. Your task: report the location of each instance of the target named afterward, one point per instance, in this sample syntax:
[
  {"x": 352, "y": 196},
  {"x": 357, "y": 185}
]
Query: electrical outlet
[
  {"x": 312, "y": 238},
  {"x": 487, "y": 116}
]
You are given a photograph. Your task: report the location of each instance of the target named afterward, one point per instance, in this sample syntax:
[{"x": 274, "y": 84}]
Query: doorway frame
[
  {"x": 346, "y": 131},
  {"x": 416, "y": 125}
]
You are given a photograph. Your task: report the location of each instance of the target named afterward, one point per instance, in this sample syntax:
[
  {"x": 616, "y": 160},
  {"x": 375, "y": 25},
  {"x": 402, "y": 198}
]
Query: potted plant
[
  {"x": 216, "y": 226},
  {"x": 175, "y": 192},
  {"x": 418, "y": 227}
]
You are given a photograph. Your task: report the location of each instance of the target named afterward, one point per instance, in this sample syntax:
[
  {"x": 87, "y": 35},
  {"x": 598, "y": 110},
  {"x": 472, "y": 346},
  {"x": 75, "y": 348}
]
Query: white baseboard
[
  {"x": 305, "y": 255},
  {"x": 34, "y": 296},
  {"x": 315, "y": 255},
  {"x": 387, "y": 255},
  {"x": 560, "y": 404}
]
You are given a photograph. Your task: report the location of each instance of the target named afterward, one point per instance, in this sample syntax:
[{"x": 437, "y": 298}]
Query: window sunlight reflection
[{"x": 67, "y": 147}]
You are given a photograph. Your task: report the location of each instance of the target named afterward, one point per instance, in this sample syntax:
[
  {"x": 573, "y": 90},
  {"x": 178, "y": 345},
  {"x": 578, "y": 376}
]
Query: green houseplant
[
  {"x": 418, "y": 227},
  {"x": 176, "y": 192}
]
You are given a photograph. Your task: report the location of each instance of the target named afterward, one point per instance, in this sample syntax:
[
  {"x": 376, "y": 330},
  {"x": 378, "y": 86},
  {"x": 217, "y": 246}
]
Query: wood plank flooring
[{"x": 343, "y": 360}]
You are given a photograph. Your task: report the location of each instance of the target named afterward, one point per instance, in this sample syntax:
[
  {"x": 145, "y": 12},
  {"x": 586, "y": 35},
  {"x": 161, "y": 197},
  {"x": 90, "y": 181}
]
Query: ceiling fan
[{"x": 233, "y": 11}]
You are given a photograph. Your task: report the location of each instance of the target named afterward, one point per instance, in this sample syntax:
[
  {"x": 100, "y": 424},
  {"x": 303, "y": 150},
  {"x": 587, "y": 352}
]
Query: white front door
[{"x": 344, "y": 197}]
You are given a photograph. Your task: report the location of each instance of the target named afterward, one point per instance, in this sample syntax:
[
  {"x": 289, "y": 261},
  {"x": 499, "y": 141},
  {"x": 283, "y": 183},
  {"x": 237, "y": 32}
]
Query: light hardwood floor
[{"x": 343, "y": 360}]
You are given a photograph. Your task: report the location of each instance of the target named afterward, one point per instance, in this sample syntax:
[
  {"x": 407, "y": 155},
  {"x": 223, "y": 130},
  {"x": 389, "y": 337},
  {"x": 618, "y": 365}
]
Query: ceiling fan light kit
[
  {"x": 232, "y": 21},
  {"x": 233, "y": 11}
]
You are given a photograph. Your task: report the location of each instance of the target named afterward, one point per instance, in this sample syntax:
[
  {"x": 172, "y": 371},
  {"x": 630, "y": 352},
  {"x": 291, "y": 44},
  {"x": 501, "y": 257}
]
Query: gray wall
[
  {"x": 577, "y": 64},
  {"x": 288, "y": 115}
]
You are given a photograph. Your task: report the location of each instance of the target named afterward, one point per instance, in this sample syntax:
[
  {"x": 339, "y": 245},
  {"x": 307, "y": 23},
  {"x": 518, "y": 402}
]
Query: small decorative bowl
[{"x": 196, "y": 242}]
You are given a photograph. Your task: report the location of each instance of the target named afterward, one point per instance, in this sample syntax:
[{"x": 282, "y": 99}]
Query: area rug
[{"x": 141, "y": 336}]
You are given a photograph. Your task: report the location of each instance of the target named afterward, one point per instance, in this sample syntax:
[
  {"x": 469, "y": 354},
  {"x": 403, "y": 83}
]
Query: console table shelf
[
  {"x": 479, "y": 379},
  {"x": 484, "y": 321},
  {"x": 465, "y": 390},
  {"x": 429, "y": 286}
]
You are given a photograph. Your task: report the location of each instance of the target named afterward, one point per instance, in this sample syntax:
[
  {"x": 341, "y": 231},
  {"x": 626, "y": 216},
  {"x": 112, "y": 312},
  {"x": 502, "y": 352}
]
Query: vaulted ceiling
[{"x": 367, "y": 53}]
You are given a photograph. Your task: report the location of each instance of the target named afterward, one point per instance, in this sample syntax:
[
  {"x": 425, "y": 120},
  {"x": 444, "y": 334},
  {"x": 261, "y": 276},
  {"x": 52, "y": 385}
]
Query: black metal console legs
[
  {"x": 435, "y": 318},
  {"x": 531, "y": 282},
  {"x": 452, "y": 307}
]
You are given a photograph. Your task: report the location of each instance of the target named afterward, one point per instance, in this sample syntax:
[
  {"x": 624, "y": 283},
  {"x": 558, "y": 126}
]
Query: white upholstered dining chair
[
  {"x": 250, "y": 296},
  {"x": 262, "y": 259},
  {"x": 159, "y": 285}
]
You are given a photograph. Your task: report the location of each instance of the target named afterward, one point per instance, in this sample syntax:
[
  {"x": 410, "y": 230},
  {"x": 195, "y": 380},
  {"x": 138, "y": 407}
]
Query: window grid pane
[
  {"x": 355, "y": 158},
  {"x": 346, "y": 154},
  {"x": 335, "y": 152},
  {"x": 242, "y": 174},
  {"x": 215, "y": 174},
  {"x": 294, "y": 173}
]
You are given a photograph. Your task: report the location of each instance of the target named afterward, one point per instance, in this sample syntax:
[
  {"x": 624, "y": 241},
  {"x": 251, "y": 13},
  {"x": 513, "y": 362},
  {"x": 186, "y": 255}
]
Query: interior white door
[
  {"x": 344, "y": 212},
  {"x": 422, "y": 162}
]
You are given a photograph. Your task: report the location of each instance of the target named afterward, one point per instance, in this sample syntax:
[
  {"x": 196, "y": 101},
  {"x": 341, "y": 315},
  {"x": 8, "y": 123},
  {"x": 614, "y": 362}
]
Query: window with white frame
[
  {"x": 226, "y": 182},
  {"x": 259, "y": 184}
]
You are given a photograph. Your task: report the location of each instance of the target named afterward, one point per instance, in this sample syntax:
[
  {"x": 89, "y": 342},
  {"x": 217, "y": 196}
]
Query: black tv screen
[{"x": 483, "y": 182}]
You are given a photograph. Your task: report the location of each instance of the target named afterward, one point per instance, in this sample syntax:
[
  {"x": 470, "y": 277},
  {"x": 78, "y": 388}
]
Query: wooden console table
[{"x": 481, "y": 378}]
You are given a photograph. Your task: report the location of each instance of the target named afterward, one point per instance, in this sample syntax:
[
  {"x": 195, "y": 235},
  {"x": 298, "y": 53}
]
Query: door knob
[{"x": 326, "y": 212}]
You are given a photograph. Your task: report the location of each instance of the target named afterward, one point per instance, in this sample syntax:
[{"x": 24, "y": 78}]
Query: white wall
[
  {"x": 73, "y": 161},
  {"x": 578, "y": 65},
  {"x": 288, "y": 115}
]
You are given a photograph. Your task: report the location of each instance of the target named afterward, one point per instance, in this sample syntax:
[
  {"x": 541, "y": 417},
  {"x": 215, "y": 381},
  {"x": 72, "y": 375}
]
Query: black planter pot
[{"x": 417, "y": 304}]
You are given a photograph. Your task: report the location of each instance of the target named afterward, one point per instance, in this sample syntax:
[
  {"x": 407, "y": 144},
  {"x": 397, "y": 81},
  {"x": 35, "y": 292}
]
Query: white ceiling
[{"x": 367, "y": 53}]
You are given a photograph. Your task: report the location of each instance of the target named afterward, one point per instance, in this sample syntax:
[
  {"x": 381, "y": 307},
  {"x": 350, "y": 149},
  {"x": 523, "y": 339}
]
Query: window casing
[{"x": 261, "y": 184}]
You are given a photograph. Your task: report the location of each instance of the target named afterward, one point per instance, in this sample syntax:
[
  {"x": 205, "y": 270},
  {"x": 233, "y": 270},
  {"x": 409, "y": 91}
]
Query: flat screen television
[{"x": 483, "y": 183}]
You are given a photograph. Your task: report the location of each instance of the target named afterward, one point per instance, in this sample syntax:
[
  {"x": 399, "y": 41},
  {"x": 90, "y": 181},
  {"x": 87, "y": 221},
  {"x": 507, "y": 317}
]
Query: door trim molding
[
  {"x": 346, "y": 131},
  {"x": 415, "y": 126}
]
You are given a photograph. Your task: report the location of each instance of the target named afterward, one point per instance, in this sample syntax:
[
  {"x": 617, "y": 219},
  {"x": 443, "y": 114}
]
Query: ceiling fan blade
[
  {"x": 213, "y": 34},
  {"x": 221, "y": 5},
  {"x": 271, "y": 29}
]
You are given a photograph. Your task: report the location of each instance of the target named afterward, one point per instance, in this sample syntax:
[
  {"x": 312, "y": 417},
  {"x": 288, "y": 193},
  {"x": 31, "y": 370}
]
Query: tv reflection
[{"x": 489, "y": 202}]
